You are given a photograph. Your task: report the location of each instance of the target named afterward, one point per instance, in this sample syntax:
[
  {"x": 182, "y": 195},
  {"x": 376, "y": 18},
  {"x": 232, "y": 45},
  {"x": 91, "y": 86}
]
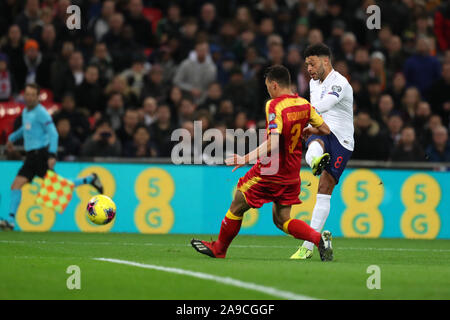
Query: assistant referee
[{"x": 40, "y": 142}]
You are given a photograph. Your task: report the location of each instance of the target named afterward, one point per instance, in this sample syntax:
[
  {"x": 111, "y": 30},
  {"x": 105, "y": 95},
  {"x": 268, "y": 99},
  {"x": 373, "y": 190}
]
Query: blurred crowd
[{"x": 138, "y": 69}]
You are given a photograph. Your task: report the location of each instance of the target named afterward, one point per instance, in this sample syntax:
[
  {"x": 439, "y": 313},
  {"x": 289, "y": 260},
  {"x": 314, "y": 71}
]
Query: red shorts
[{"x": 258, "y": 191}]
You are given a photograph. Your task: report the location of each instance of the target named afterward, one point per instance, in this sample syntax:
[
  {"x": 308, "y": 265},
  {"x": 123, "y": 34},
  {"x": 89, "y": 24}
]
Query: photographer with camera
[{"x": 103, "y": 143}]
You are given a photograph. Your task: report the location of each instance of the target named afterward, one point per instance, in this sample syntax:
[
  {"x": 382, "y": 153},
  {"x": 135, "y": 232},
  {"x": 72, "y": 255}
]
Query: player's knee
[
  {"x": 238, "y": 208},
  {"x": 325, "y": 189},
  {"x": 318, "y": 141},
  {"x": 326, "y": 183},
  {"x": 278, "y": 222}
]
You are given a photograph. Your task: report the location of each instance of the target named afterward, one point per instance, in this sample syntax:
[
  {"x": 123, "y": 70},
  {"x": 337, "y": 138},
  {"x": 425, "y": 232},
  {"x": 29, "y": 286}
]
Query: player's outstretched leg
[
  {"x": 92, "y": 179},
  {"x": 229, "y": 229}
]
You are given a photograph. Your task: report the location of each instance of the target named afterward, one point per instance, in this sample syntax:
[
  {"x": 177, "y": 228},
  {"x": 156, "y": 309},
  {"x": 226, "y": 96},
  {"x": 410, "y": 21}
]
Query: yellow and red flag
[{"x": 55, "y": 192}]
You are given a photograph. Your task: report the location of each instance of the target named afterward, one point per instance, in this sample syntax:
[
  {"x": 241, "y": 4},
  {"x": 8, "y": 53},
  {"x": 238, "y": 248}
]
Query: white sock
[
  {"x": 319, "y": 216},
  {"x": 314, "y": 150}
]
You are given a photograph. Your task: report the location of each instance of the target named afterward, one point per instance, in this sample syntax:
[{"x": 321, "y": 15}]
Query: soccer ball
[{"x": 101, "y": 209}]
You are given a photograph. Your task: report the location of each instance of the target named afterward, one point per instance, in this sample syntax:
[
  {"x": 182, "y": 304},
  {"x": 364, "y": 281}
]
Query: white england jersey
[{"x": 333, "y": 99}]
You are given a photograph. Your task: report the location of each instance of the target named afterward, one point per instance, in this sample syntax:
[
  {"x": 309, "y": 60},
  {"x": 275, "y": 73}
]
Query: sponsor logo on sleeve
[
  {"x": 335, "y": 90},
  {"x": 271, "y": 116}
]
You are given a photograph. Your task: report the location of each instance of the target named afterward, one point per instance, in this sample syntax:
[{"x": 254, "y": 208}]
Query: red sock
[
  {"x": 301, "y": 230},
  {"x": 231, "y": 225}
]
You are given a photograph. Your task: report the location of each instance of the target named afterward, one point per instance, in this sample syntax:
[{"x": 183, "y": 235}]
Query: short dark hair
[
  {"x": 319, "y": 50},
  {"x": 279, "y": 74},
  {"x": 103, "y": 120},
  {"x": 33, "y": 86}
]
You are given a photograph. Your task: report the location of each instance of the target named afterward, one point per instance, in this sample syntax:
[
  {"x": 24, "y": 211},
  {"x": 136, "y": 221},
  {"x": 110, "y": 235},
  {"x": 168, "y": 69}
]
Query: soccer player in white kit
[{"x": 332, "y": 96}]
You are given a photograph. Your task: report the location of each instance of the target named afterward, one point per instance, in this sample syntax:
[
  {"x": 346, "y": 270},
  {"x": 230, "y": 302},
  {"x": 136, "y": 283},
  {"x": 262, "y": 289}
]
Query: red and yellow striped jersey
[{"x": 287, "y": 116}]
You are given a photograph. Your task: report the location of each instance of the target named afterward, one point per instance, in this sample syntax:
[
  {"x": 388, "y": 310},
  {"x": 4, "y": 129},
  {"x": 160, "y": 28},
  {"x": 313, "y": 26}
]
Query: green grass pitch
[{"x": 33, "y": 266}]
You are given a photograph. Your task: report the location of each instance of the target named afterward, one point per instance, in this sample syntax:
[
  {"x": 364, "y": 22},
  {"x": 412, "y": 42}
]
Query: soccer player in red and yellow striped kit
[{"x": 276, "y": 175}]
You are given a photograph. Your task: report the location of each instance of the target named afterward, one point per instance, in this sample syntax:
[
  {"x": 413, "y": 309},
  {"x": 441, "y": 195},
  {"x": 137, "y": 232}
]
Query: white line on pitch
[{"x": 224, "y": 280}]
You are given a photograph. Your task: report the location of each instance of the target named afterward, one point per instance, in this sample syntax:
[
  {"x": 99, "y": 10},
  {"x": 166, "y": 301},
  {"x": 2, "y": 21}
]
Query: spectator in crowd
[
  {"x": 59, "y": 66},
  {"x": 135, "y": 75},
  {"x": 129, "y": 124},
  {"x": 142, "y": 28},
  {"x": 407, "y": 149},
  {"x": 68, "y": 143},
  {"x": 188, "y": 35},
  {"x": 361, "y": 64},
  {"x": 196, "y": 72},
  {"x": 397, "y": 89},
  {"x": 6, "y": 79},
  {"x": 377, "y": 69},
  {"x": 224, "y": 67},
  {"x": 369, "y": 100},
  {"x": 115, "y": 109},
  {"x": 37, "y": 68},
  {"x": 99, "y": 26},
  {"x": 48, "y": 43},
  {"x": 315, "y": 36},
  {"x": 13, "y": 48},
  {"x": 79, "y": 123},
  {"x": 410, "y": 102},
  {"x": 161, "y": 131},
  {"x": 119, "y": 84},
  {"x": 243, "y": 20},
  {"x": 239, "y": 92},
  {"x": 205, "y": 119},
  {"x": 439, "y": 150},
  {"x": 113, "y": 40},
  {"x": 174, "y": 100},
  {"x": 225, "y": 113},
  {"x": 265, "y": 29},
  {"x": 154, "y": 85},
  {"x": 385, "y": 107},
  {"x": 420, "y": 121},
  {"x": 164, "y": 58},
  {"x": 68, "y": 79},
  {"x": 187, "y": 109},
  {"x": 368, "y": 145},
  {"x": 29, "y": 19},
  {"x": 348, "y": 45},
  {"x": 140, "y": 146},
  {"x": 170, "y": 26},
  {"x": 393, "y": 132},
  {"x": 439, "y": 95},
  {"x": 209, "y": 22},
  {"x": 213, "y": 98},
  {"x": 396, "y": 55},
  {"x": 442, "y": 25},
  {"x": 104, "y": 63},
  {"x": 148, "y": 111},
  {"x": 103, "y": 143},
  {"x": 422, "y": 69},
  {"x": 89, "y": 93}
]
